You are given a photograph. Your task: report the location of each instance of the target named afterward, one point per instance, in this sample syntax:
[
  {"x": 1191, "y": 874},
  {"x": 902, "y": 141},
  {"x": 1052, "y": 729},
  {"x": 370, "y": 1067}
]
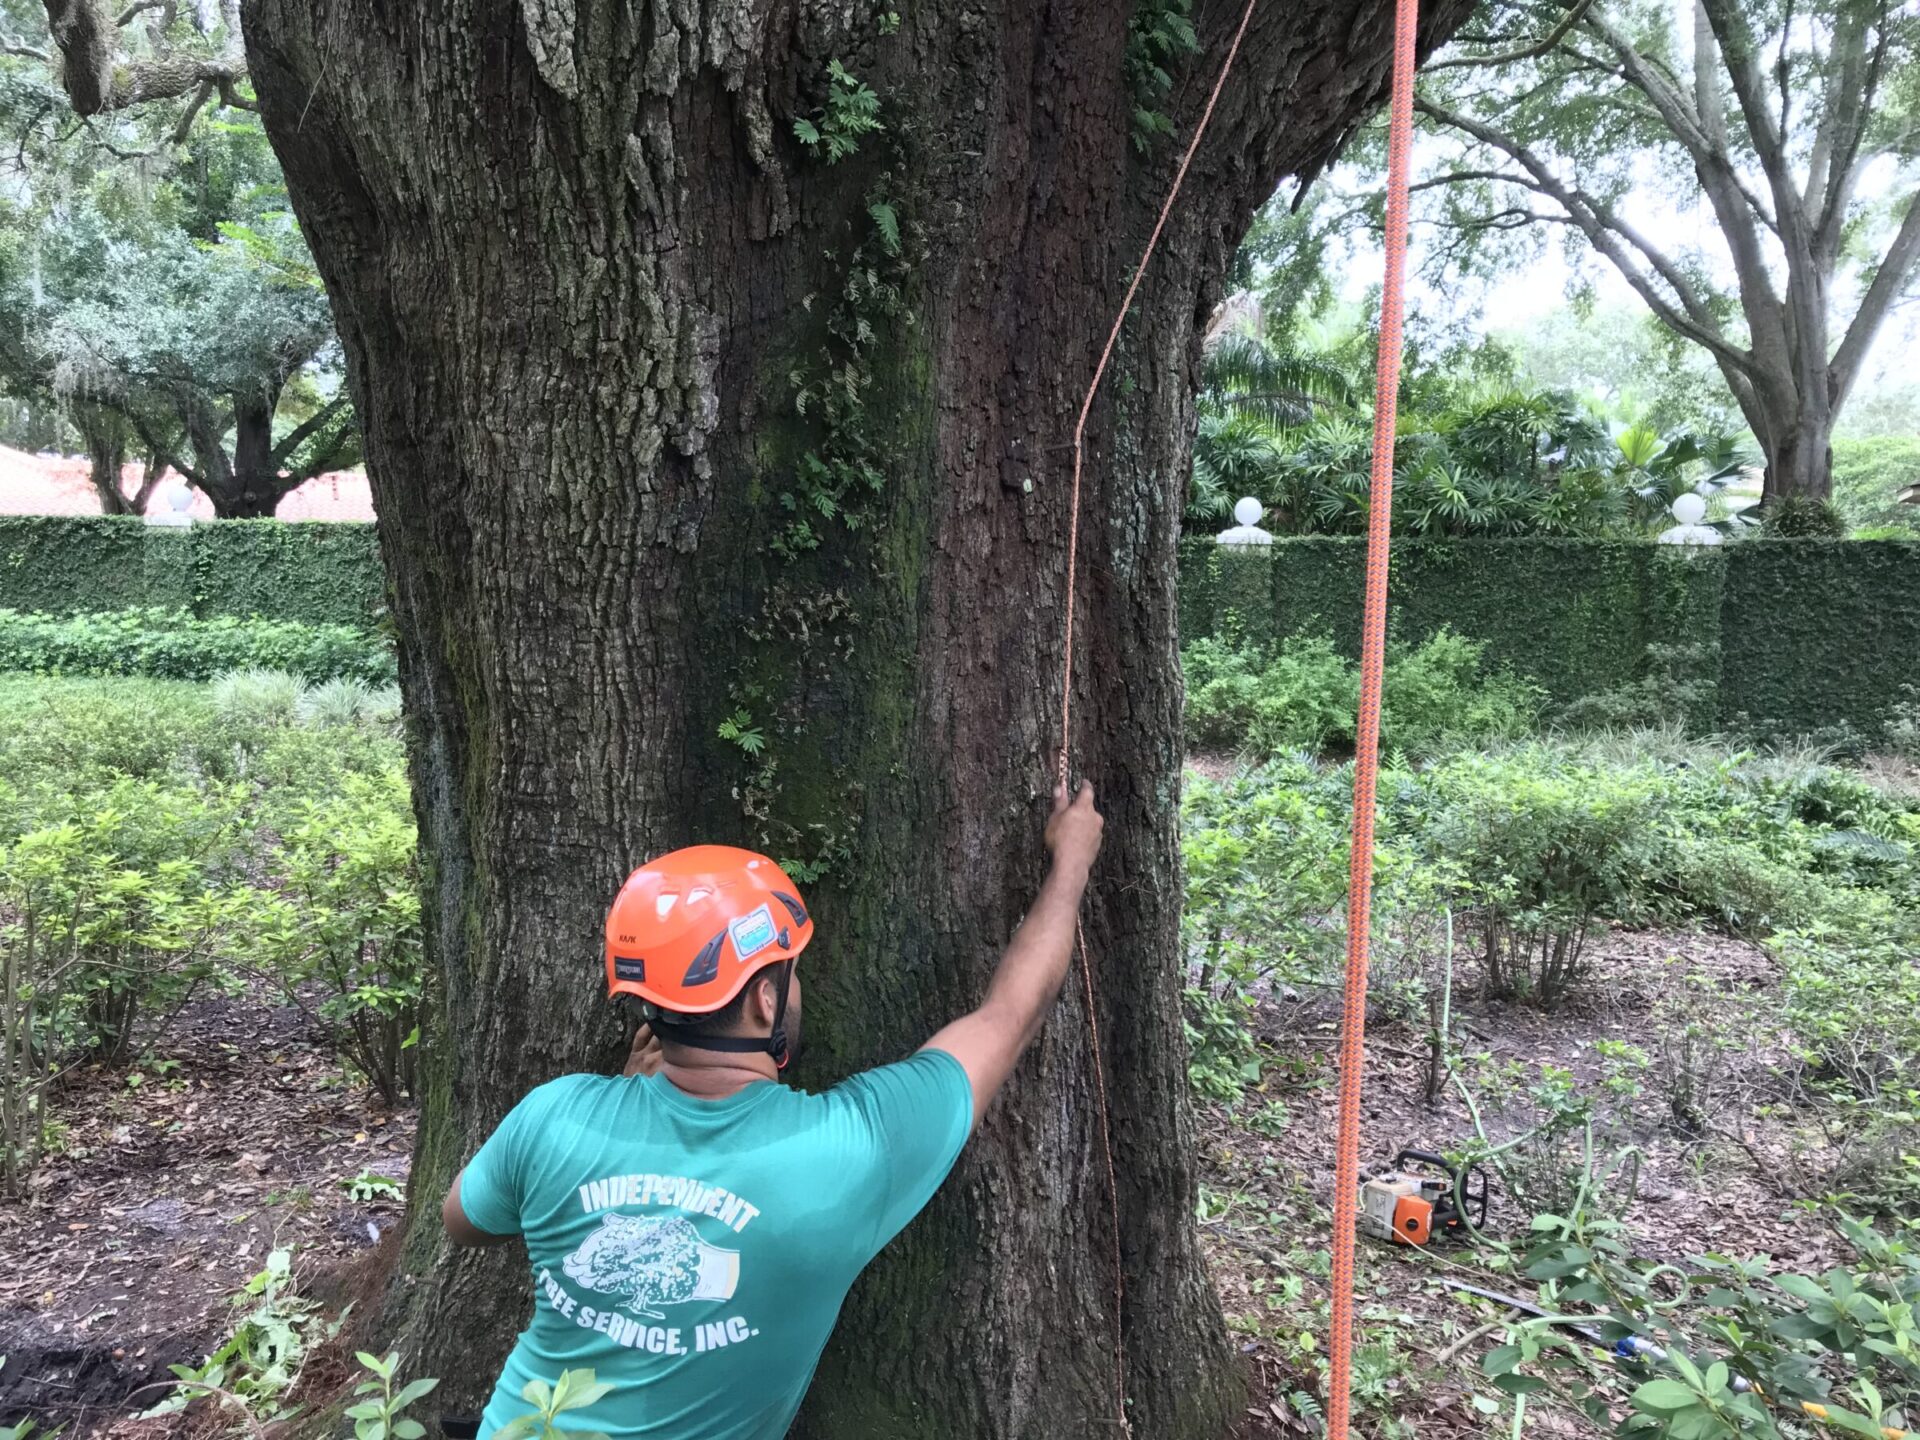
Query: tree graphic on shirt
[{"x": 648, "y": 1262}]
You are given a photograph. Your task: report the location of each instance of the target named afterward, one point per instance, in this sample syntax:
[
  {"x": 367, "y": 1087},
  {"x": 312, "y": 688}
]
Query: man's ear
[{"x": 763, "y": 1002}]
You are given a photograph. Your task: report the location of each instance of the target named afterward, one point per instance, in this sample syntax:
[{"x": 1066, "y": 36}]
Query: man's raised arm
[{"x": 988, "y": 1042}]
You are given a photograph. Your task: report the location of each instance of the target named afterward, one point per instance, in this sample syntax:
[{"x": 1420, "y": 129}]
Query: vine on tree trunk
[{"x": 836, "y": 482}]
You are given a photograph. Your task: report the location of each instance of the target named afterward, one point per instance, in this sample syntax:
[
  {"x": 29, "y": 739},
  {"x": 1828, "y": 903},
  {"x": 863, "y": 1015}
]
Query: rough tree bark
[{"x": 582, "y": 269}]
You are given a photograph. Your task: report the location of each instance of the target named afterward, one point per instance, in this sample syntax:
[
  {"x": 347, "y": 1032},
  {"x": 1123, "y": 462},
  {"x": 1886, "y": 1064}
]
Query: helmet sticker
[
  {"x": 625, "y": 968},
  {"x": 752, "y": 932}
]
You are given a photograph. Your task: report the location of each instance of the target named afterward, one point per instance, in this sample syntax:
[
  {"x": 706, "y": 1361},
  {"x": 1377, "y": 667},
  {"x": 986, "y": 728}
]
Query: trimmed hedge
[
  {"x": 1790, "y": 636},
  {"x": 318, "y": 572},
  {"x": 173, "y": 645}
]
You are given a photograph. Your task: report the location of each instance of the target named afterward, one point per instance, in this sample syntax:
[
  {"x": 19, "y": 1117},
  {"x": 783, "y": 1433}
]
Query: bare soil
[
  {"x": 1267, "y": 1197},
  {"x": 168, "y": 1194}
]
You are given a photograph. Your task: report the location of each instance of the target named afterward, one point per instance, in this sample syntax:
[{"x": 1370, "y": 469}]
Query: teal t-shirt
[{"x": 694, "y": 1253}]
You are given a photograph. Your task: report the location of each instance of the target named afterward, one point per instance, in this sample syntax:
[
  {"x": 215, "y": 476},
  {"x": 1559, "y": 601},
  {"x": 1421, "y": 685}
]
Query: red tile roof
[{"x": 57, "y": 485}]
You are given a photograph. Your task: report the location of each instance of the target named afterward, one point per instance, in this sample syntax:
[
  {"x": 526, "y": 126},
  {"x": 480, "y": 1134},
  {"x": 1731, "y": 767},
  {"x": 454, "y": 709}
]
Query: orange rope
[
  {"x": 1353, "y": 1032},
  {"x": 1066, "y": 706}
]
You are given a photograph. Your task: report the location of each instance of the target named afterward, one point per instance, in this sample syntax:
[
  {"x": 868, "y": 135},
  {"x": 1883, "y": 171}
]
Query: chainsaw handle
[{"x": 1426, "y": 1157}]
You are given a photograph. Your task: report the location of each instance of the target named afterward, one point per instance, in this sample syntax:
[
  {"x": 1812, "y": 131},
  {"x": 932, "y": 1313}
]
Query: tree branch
[
  {"x": 1463, "y": 177},
  {"x": 1699, "y": 126},
  {"x": 192, "y": 113},
  {"x": 11, "y": 46},
  {"x": 1611, "y": 236},
  {"x": 99, "y": 79},
  {"x": 1527, "y": 52},
  {"x": 137, "y": 9},
  {"x": 307, "y": 428},
  {"x": 1842, "y": 166},
  {"x": 1889, "y": 284}
]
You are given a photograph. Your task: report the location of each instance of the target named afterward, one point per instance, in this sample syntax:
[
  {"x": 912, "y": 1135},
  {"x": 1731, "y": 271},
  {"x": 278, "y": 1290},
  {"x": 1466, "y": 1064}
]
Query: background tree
[
  {"x": 152, "y": 281},
  {"x": 1795, "y": 124}
]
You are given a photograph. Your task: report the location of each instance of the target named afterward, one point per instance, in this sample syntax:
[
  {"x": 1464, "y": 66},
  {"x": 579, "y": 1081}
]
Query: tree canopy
[{"x": 153, "y": 283}]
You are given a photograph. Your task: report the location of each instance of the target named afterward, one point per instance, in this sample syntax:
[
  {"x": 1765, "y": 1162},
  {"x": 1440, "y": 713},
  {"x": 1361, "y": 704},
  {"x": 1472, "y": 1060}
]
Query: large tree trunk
[
  {"x": 1799, "y": 459},
  {"x": 248, "y": 485},
  {"x": 584, "y": 276}
]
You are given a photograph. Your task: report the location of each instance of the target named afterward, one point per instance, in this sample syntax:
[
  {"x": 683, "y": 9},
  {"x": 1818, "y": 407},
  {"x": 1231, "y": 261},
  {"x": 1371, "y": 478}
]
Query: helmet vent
[
  {"x": 706, "y": 965},
  {"x": 794, "y": 908}
]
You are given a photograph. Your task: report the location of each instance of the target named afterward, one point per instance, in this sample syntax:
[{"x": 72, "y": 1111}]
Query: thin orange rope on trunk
[
  {"x": 1066, "y": 707},
  {"x": 1353, "y": 1031}
]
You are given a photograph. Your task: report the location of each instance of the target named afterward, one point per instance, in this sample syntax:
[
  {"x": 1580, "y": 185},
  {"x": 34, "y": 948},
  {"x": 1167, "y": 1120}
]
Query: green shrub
[
  {"x": 1307, "y": 701},
  {"x": 345, "y": 916},
  {"x": 1304, "y": 697},
  {"x": 1673, "y": 689},
  {"x": 65, "y": 730},
  {"x": 1266, "y": 862},
  {"x": 1725, "y": 1346},
  {"x": 1868, "y": 476},
  {"x": 312, "y": 763},
  {"x": 348, "y": 702},
  {"x": 1903, "y": 726},
  {"x": 257, "y": 699},
  {"x": 1266, "y": 867},
  {"x": 172, "y": 644},
  {"x": 1852, "y": 992},
  {"x": 1438, "y": 696},
  {"x": 112, "y": 904},
  {"x": 1802, "y": 516},
  {"x": 1540, "y": 849}
]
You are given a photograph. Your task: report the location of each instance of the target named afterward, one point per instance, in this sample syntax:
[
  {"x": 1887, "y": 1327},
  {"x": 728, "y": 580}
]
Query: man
[{"x": 693, "y": 1232}]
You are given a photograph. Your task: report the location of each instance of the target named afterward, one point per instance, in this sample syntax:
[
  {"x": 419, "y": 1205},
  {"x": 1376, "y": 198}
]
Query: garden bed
[{"x": 167, "y": 1195}]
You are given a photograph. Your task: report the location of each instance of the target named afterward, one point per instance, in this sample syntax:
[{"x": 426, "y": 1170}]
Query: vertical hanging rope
[
  {"x": 1066, "y": 710},
  {"x": 1386, "y": 390}
]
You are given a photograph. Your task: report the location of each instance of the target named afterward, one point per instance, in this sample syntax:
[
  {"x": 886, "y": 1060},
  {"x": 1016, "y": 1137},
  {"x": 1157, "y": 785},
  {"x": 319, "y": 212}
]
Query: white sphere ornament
[
  {"x": 178, "y": 498},
  {"x": 1689, "y": 509},
  {"x": 1246, "y": 511}
]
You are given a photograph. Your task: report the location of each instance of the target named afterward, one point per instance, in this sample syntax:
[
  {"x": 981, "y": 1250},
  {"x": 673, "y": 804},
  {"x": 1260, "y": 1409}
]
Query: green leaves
[
  {"x": 575, "y": 1390},
  {"x": 852, "y": 111},
  {"x": 739, "y": 729},
  {"x": 888, "y": 224},
  {"x": 1159, "y": 34},
  {"x": 380, "y": 1418},
  {"x": 1735, "y": 1356}
]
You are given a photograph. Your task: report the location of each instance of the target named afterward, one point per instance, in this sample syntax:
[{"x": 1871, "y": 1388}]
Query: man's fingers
[
  {"x": 1085, "y": 797},
  {"x": 1059, "y": 797}
]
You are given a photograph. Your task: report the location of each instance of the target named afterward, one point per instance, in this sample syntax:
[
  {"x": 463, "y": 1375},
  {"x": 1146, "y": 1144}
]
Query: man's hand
[
  {"x": 645, "y": 1057},
  {"x": 1073, "y": 829},
  {"x": 989, "y": 1041}
]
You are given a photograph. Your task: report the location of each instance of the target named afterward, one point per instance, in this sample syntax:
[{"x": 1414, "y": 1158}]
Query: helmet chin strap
[{"x": 775, "y": 1044}]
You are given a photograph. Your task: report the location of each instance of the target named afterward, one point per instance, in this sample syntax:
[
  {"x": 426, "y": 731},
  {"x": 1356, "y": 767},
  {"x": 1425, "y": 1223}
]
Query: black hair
[{"x": 727, "y": 1020}]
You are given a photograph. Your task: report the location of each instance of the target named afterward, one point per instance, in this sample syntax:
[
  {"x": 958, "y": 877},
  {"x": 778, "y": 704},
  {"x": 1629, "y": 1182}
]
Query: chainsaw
[{"x": 1411, "y": 1206}]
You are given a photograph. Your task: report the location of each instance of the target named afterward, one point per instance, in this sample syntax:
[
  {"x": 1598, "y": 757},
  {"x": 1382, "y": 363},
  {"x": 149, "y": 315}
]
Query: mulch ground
[
  {"x": 1419, "y": 1353},
  {"x": 167, "y": 1195}
]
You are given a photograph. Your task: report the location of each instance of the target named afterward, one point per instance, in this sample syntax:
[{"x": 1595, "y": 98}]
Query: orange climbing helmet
[{"x": 690, "y": 929}]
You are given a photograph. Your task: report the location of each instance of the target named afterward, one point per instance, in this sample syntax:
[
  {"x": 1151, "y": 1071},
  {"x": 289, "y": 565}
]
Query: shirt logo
[{"x": 651, "y": 1261}]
